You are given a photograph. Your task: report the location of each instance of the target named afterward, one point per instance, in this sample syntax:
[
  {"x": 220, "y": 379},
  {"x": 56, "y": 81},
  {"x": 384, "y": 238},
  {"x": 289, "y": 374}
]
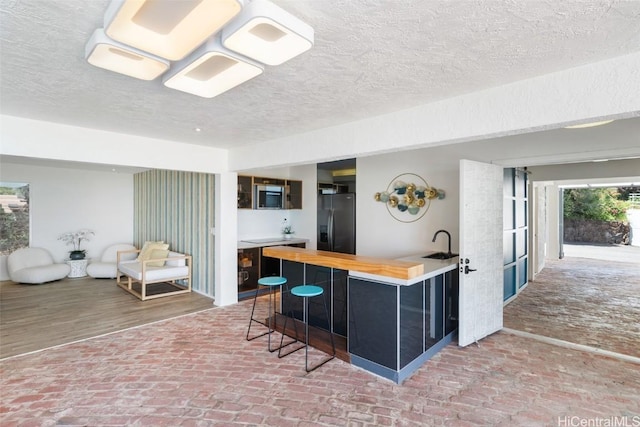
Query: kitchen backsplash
[{"x": 257, "y": 224}]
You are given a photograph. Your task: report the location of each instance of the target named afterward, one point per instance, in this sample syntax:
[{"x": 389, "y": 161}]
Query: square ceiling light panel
[
  {"x": 267, "y": 33},
  {"x": 103, "y": 52},
  {"x": 211, "y": 70},
  {"x": 167, "y": 28}
]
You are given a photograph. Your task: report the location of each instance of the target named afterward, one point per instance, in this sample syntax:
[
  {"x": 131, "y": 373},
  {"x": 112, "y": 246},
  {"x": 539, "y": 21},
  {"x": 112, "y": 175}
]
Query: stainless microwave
[{"x": 268, "y": 197}]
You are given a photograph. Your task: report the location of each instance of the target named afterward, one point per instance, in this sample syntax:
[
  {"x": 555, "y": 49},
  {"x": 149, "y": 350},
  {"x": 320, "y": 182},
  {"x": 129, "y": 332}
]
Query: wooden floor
[{"x": 34, "y": 317}]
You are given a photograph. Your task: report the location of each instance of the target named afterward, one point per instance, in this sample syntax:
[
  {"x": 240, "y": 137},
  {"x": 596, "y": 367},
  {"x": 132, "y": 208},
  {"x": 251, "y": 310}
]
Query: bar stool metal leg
[
  {"x": 306, "y": 292},
  {"x": 284, "y": 331},
  {"x": 271, "y": 323},
  {"x": 306, "y": 335}
]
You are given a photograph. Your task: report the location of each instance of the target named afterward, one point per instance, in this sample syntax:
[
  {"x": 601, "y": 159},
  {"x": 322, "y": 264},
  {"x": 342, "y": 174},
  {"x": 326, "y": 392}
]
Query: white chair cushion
[
  {"x": 102, "y": 270},
  {"x": 43, "y": 274},
  {"x": 166, "y": 272}
]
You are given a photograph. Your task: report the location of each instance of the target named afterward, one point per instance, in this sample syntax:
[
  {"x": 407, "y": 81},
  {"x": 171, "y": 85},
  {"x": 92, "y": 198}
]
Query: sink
[{"x": 440, "y": 255}]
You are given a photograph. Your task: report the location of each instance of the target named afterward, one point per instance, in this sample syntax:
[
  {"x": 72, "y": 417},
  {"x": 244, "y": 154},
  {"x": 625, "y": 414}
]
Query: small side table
[{"x": 78, "y": 267}]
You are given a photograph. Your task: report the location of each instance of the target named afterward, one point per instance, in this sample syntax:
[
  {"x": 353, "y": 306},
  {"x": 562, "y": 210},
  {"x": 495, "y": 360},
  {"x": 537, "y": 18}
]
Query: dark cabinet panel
[
  {"x": 319, "y": 276},
  {"x": 393, "y": 328},
  {"x": 451, "y": 301},
  {"x": 373, "y": 322},
  {"x": 245, "y": 191},
  {"x": 411, "y": 323},
  {"x": 434, "y": 308},
  {"x": 294, "y": 195},
  {"x": 294, "y": 272},
  {"x": 340, "y": 302},
  {"x": 269, "y": 266},
  {"x": 334, "y": 285},
  {"x": 248, "y": 270}
]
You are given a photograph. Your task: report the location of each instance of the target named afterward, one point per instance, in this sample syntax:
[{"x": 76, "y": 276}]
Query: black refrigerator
[{"x": 337, "y": 222}]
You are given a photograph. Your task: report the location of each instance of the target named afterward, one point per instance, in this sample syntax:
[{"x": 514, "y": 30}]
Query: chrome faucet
[{"x": 448, "y": 235}]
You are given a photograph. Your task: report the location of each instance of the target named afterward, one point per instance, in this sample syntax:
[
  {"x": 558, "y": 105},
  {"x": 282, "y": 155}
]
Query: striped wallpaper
[{"x": 178, "y": 207}]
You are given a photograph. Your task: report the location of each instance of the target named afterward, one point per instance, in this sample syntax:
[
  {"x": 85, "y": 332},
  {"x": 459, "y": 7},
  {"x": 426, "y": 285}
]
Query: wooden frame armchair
[{"x": 169, "y": 270}]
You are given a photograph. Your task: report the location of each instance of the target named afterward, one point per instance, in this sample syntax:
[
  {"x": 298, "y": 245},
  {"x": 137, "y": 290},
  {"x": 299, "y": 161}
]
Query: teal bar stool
[
  {"x": 272, "y": 282},
  {"x": 306, "y": 292}
]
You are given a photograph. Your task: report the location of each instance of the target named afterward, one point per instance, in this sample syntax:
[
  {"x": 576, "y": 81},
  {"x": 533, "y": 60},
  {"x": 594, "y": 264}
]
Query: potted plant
[
  {"x": 75, "y": 238},
  {"x": 287, "y": 232}
]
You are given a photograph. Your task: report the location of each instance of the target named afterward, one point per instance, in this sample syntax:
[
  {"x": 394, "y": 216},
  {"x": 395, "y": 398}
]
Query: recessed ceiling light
[
  {"x": 197, "y": 129},
  {"x": 589, "y": 125}
]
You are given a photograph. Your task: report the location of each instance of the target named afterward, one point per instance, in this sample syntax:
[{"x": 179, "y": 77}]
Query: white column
[
  {"x": 553, "y": 224},
  {"x": 226, "y": 239}
]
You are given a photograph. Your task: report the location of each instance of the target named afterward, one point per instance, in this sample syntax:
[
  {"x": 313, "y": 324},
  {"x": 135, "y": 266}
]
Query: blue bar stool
[
  {"x": 306, "y": 292},
  {"x": 272, "y": 283}
]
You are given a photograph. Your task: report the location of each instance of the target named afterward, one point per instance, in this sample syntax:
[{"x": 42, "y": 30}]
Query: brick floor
[
  {"x": 584, "y": 301},
  {"x": 198, "y": 370}
]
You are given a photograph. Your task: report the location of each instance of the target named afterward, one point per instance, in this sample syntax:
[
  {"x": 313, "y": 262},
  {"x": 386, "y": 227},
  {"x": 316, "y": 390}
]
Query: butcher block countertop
[{"x": 393, "y": 268}]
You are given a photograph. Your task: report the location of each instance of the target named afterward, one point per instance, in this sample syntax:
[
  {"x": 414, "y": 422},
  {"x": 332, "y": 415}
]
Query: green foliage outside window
[
  {"x": 14, "y": 219},
  {"x": 600, "y": 204}
]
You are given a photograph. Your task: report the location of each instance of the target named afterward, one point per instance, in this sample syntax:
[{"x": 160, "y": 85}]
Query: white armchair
[
  {"x": 171, "y": 269},
  {"x": 35, "y": 266},
  {"x": 107, "y": 266}
]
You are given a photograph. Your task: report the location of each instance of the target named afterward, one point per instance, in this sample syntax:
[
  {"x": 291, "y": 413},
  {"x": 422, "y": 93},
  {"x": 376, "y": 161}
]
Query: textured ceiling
[{"x": 370, "y": 57}]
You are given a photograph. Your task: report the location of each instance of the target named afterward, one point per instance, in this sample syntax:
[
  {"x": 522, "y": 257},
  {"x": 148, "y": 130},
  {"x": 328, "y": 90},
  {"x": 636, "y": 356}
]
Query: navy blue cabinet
[{"x": 394, "y": 329}]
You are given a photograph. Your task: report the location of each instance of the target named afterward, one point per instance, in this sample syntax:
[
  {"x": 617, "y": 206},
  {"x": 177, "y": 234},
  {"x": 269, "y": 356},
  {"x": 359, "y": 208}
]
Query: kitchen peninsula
[{"x": 394, "y": 313}]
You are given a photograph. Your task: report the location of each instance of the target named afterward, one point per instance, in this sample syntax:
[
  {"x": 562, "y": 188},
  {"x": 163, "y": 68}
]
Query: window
[{"x": 14, "y": 216}]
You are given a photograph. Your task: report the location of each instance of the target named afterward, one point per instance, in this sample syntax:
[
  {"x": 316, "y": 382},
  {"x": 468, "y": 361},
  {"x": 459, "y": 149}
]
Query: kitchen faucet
[{"x": 448, "y": 235}]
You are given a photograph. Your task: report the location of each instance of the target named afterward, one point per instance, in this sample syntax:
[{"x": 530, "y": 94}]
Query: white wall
[
  {"x": 63, "y": 200},
  {"x": 612, "y": 171},
  {"x": 35, "y": 138},
  {"x": 305, "y": 221},
  {"x": 259, "y": 224},
  {"x": 378, "y": 233},
  {"x": 597, "y": 91}
]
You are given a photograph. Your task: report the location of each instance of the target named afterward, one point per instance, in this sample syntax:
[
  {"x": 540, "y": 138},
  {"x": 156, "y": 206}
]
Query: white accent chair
[
  {"x": 173, "y": 270},
  {"x": 35, "y": 266},
  {"x": 107, "y": 266}
]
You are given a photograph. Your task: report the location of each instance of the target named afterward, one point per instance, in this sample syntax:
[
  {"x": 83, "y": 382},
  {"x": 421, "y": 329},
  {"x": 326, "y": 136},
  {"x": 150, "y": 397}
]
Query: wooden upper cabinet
[
  {"x": 245, "y": 192},
  {"x": 293, "y": 191},
  {"x": 294, "y": 195}
]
